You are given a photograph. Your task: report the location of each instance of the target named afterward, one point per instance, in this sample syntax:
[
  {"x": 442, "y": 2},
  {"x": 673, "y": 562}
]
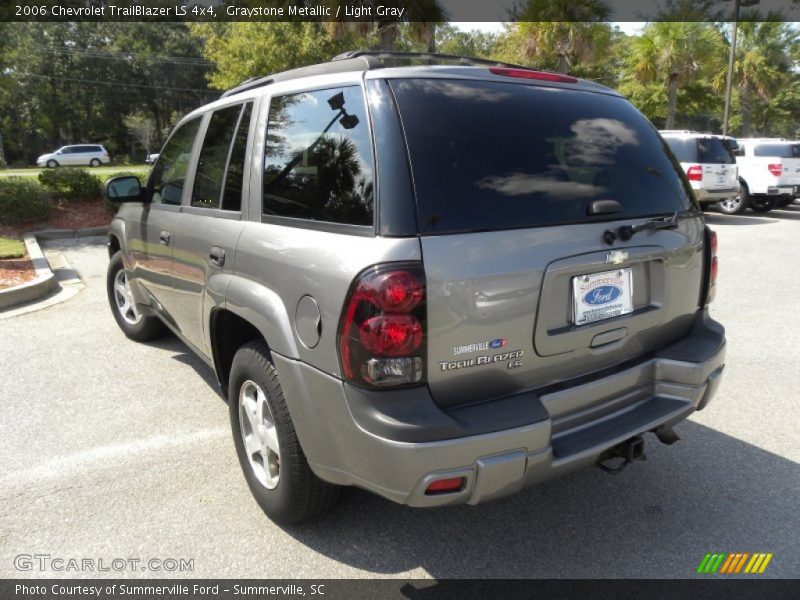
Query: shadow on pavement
[
  {"x": 183, "y": 355},
  {"x": 708, "y": 492},
  {"x": 745, "y": 219}
]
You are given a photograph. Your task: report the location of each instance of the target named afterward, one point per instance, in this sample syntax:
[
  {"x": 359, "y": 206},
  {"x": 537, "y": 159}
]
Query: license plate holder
[{"x": 601, "y": 296}]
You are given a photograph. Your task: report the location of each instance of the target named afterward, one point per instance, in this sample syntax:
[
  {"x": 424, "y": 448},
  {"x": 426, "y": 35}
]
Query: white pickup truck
[{"x": 769, "y": 172}]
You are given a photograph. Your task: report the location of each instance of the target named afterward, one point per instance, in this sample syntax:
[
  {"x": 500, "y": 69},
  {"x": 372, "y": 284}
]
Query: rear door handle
[
  {"x": 217, "y": 256},
  {"x": 164, "y": 237}
]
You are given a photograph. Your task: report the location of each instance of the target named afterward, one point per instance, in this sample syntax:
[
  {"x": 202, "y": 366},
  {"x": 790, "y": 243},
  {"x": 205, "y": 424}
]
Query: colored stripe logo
[{"x": 735, "y": 562}]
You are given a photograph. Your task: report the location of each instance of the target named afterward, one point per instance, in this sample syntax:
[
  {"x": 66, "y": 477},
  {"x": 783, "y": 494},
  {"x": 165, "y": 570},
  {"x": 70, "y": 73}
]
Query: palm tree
[
  {"x": 423, "y": 15},
  {"x": 761, "y": 63},
  {"x": 675, "y": 52},
  {"x": 559, "y": 34}
]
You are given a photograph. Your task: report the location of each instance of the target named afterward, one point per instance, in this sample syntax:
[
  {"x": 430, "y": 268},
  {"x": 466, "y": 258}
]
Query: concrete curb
[
  {"x": 60, "y": 234},
  {"x": 41, "y": 285}
]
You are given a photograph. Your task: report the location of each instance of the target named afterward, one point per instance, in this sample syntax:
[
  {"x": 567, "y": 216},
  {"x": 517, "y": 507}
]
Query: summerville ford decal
[{"x": 512, "y": 358}]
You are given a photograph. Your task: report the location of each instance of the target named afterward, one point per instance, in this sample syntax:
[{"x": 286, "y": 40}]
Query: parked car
[
  {"x": 92, "y": 155},
  {"x": 438, "y": 283},
  {"x": 769, "y": 170},
  {"x": 710, "y": 167},
  {"x": 151, "y": 158}
]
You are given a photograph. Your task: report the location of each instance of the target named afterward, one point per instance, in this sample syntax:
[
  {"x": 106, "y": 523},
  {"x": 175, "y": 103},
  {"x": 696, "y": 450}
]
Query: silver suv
[{"x": 440, "y": 283}]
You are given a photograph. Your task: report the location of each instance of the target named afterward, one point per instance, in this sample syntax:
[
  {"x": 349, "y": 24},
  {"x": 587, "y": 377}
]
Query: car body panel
[{"x": 559, "y": 397}]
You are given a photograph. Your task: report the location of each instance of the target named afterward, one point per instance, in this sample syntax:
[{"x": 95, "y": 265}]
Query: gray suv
[{"x": 441, "y": 283}]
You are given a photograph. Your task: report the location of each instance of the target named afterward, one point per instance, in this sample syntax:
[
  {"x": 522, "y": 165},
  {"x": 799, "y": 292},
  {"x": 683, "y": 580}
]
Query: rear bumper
[
  {"x": 391, "y": 448},
  {"x": 781, "y": 190},
  {"x": 709, "y": 196}
]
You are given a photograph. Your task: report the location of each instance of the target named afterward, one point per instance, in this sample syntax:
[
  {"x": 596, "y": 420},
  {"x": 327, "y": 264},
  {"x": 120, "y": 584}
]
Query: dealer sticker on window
[{"x": 602, "y": 296}]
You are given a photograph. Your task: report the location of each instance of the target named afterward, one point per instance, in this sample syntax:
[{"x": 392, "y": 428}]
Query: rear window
[
  {"x": 488, "y": 155},
  {"x": 778, "y": 150},
  {"x": 714, "y": 151}
]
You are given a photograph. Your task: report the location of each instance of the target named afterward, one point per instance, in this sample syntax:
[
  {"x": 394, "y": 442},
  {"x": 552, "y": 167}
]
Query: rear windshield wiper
[{"x": 626, "y": 232}]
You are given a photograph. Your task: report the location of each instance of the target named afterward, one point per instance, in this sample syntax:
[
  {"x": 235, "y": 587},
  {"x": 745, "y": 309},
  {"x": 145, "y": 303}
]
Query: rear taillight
[
  {"x": 531, "y": 74},
  {"x": 712, "y": 266},
  {"x": 382, "y": 330},
  {"x": 776, "y": 169},
  {"x": 695, "y": 173}
]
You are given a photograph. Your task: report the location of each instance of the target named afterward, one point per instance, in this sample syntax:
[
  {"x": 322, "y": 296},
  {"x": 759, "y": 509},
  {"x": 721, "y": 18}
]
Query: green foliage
[
  {"x": 244, "y": 50},
  {"x": 672, "y": 54},
  {"x": 75, "y": 185},
  {"x": 11, "y": 248},
  {"x": 450, "y": 40},
  {"x": 22, "y": 201}
]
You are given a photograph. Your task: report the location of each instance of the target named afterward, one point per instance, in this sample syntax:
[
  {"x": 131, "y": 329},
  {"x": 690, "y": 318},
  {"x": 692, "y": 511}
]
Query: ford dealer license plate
[{"x": 602, "y": 296}]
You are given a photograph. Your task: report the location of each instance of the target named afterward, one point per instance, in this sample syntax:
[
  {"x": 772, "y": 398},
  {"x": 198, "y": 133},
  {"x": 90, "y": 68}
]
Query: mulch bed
[
  {"x": 14, "y": 271},
  {"x": 67, "y": 215}
]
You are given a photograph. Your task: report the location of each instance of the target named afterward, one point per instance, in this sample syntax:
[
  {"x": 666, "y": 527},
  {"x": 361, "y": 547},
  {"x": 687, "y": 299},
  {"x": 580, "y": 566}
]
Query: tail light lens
[
  {"x": 712, "y": 266},
  {"x": 695, "y": 173},
  {"x": 382, "y": 330},
  {"x": 776, "y": 169}
]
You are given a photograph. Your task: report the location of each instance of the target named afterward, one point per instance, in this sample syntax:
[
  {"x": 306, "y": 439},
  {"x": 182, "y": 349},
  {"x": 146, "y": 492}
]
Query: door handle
[
  {"x": 217, "y": 256},
  {"x": 164, "y": 237}
]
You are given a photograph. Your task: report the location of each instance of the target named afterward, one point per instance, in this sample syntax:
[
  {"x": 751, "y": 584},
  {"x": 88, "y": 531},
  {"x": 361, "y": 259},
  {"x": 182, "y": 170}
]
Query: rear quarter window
[
  {"x": 778, "y": 150},
  {"x": 489, "y": 155},
  {"x": 685, "y": 150}
]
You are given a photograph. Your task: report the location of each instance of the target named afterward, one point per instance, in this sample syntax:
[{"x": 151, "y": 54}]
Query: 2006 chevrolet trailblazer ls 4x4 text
[{"x": 440, "y": 283}]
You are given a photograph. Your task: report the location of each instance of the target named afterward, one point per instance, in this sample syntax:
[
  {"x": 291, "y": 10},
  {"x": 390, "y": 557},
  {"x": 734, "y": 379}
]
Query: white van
[{"x": 92, "y": 155}]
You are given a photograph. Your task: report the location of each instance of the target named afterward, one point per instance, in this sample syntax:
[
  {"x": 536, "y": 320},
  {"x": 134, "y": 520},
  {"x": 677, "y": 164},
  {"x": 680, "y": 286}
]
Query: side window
[
  {"x": 169, "y": 172},
  {"x": 211, "y": 165},
  {"x": 232, "y": 194},
  {"x": 318, "y": 162}
]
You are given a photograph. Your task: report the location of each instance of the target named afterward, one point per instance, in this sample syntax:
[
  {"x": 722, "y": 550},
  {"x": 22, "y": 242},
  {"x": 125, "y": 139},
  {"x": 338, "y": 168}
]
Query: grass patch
[
  {"x": 11, "y": 248},
  {"x": 102, "y": 173}
]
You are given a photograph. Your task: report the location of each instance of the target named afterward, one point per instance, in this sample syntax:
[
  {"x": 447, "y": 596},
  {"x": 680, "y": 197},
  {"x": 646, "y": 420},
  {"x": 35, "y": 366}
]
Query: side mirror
[{"x": 124, "y": 189}]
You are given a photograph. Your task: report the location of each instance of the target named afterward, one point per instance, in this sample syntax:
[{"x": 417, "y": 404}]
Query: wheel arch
[
  {"x": 113, "y": 244},
  {"x": 250, "y": 311}
]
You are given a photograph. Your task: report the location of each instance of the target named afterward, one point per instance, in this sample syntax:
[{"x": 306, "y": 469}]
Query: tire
[
  {"x": 52, "y": 164},
  {"x": 275, "y": 467},
  {"x": 134, "y": 324},
  {"x": 784, "y": 201},
  {"x": 737, "y": 205},
  {"x": 762, "y": 204},
  {"x": 95, "y": 162}
]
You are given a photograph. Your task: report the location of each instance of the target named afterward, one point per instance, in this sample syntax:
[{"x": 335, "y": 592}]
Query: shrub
[
  {"x": 22, "y": 201},
  {"x": 75, "y": 185}
]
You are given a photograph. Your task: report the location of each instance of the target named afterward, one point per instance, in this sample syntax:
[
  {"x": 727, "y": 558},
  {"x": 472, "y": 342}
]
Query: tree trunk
[
  {"x": 2, "y": 153},
  {"x": 563, "y": 64},
  {"x": 387, "y": 32},
  {"x": 672, "y": 103},
  {"x": 432, "y": 38},
  {"x": 744, "y": 99}
]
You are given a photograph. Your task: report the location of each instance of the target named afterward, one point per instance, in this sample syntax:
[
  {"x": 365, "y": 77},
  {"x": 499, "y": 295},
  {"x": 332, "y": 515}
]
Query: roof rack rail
[
  {"x": 356, "y": 64},
  {"x": 356, "y": 60},
  {"x": 430, "y": 56}
]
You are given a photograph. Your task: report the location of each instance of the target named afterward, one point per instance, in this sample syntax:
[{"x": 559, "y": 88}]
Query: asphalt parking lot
[{"x": 113, "y": 449}]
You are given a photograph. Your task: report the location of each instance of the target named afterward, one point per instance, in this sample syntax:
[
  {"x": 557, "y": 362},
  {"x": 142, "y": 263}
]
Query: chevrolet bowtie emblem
[{"x": 617, "y": 257}]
